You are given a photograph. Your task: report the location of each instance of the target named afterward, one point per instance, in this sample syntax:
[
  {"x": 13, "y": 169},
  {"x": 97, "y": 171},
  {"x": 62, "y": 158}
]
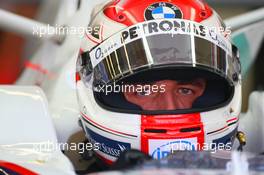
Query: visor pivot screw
[{"x": 203, "y": 14}]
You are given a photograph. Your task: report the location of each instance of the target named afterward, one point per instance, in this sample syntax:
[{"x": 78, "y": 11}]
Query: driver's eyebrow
[
  {"x": 185, "y": 82},
  {"x": 194, "y": 83}
]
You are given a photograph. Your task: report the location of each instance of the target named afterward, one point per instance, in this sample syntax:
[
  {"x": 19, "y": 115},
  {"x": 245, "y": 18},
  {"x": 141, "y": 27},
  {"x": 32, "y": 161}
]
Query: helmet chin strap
[{"x": 242, "y": 140}]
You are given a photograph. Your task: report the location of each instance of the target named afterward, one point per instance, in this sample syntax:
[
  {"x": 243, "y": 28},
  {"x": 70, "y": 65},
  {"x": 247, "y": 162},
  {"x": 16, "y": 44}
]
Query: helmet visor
[{"x": 148, "y": 46}]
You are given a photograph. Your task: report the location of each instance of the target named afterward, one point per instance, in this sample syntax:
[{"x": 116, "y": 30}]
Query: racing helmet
[{"x": 136, "y": 43}]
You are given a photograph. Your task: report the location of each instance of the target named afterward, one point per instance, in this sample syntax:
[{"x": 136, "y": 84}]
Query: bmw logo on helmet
[{"x": 162, "y": 10}]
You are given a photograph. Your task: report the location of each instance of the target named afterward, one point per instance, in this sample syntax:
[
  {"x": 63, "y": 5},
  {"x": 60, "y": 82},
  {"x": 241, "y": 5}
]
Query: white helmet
[{"x": 139, "y": 42}]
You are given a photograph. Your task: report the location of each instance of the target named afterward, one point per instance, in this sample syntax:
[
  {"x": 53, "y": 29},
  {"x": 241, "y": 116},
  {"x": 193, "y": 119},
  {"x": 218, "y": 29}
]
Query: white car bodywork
[
  {"x": 60, "y": 62},
  {"x": 251, "y": 123},
  {"x": 26, "y": 124},
  {"x": 29, "y": 116},
  {"x": 49, "y": 114}
]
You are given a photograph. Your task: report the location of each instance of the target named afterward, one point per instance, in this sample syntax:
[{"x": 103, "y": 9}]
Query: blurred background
[{"x": 15, "y": 49}]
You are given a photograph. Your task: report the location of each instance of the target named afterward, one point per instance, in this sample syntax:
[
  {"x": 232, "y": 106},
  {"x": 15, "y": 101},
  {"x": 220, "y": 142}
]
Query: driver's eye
[
  {"x": 146, "y": 91},
  {"x": 143, "y": 93},
  {"x": 185, "y": 91}
]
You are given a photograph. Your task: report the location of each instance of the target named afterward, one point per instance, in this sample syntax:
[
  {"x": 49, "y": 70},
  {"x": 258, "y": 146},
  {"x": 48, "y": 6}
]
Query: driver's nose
[
  {"x": 168, "y": 100},
  {"x": 171, "y": 100}
]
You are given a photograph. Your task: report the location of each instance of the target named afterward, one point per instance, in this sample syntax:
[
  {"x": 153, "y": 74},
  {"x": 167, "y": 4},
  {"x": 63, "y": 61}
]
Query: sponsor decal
[
  {"x": 157, "y": 27},
  {"x": 159, "y": 149},
  {"x": 106, "y": 145},
  {"x": 162, "y": 10}
]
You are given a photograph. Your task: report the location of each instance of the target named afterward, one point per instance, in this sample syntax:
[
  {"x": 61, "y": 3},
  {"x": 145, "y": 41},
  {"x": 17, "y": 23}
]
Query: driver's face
[{"x": 175, "y": 95}]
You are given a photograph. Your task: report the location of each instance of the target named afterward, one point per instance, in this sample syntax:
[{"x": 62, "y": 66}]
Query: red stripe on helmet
[
  {"x": 171, "y": 127},
  {"x": 129, "y": 12},
  {"x": 233, "y": 119}
]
